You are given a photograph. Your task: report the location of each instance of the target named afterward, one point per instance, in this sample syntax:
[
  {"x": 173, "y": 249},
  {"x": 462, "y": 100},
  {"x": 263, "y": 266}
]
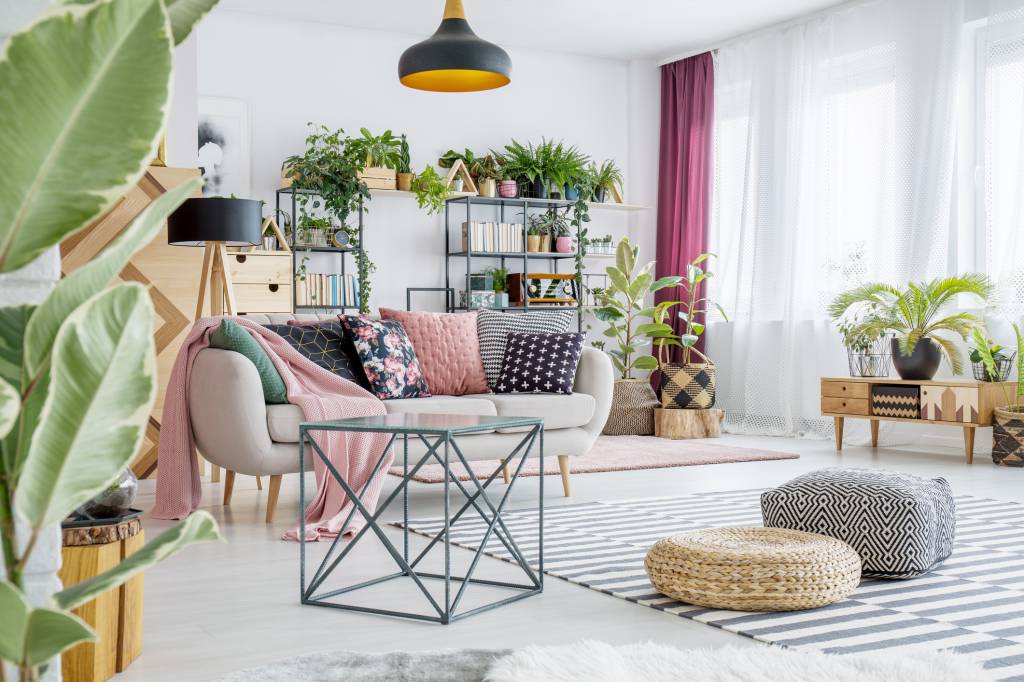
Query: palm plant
[{"x": 915, "y": 313}]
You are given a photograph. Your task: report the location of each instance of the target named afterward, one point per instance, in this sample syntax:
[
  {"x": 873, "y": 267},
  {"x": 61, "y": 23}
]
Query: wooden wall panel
[{"x": 170, "y": 272}]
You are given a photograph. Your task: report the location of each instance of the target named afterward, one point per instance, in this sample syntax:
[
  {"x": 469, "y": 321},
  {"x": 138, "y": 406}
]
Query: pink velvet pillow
[{"x": 448, "y": 349}]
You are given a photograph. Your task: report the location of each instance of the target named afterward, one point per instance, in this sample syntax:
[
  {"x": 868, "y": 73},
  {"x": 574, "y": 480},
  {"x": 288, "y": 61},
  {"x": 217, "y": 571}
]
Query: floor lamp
[{"x": 215, "y": 224}]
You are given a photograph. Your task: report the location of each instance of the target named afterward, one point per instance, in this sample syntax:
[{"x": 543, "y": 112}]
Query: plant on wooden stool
[
  {"x": 78, "y": 370},
  {"x": 1008, "y": 421}
]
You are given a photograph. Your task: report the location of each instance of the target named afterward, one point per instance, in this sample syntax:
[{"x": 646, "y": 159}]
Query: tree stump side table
[
  {"x": 682, "y": 424},
  {"x": 116, "y": 615}
]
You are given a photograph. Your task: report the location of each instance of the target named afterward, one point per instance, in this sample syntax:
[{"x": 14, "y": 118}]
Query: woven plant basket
[
  {"x": 1008, "y": 436},
  {"x": 689, "y": 386},
  {"x": 753, "y": 569},
  {"x": 632, "y": 413}
]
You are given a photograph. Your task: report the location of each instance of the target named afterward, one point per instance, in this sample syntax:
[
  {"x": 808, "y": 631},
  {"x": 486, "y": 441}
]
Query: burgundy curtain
[{"x": 684, "y": 182}]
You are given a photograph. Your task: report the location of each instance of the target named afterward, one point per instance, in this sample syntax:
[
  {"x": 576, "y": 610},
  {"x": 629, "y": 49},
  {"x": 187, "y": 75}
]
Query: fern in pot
[
  {"x": 915, "y": 316},
  {"x": 1008, "y": 420},
  {"x": 631, "y": 326}
]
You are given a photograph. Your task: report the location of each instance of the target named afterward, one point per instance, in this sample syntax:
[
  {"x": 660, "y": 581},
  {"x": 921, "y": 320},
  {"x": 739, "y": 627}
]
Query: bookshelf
[{"x": 289, "y": 197}]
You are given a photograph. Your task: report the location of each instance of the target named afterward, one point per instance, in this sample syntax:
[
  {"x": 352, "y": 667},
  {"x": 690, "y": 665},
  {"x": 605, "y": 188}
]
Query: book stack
[
  {"x": 492, "y": 237},
  {"x": 319, "y": 289}
]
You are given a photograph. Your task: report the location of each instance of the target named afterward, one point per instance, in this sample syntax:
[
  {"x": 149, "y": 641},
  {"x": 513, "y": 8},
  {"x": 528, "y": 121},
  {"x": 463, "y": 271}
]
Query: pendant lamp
[{"x": 454, "y": 59}]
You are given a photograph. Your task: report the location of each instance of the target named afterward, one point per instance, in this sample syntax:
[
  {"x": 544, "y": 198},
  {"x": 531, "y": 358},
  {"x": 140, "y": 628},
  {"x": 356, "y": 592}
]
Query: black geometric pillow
[
  {"x": 326, "y": 344},
  {"x": 539, "y": 363}
]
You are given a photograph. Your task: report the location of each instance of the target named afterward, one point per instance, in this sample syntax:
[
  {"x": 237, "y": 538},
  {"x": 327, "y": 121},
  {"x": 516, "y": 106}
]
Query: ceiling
[{"x": 625, "y": 29}]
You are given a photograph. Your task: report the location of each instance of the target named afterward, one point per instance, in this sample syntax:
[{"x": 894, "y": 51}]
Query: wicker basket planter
[
  {"x": 1008, "y": 436},
  {"x": 753, "y": 569},
  {"x": 689, "y": 386},
  {"x": 632, "y": 413}
]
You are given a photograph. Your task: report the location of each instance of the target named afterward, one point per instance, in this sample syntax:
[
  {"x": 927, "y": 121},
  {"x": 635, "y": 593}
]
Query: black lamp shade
[
  {"x": 236, "y": 222},
  {"x": 454, "y": 59}
]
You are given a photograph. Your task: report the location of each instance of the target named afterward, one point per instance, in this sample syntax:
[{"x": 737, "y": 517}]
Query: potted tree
[
  {"x": 913, "y": 316},
  {"x": 622, "y": 306},
  {"x": 487, "y": 172},
  {"x": 380, "y": 156},
  {"x": 1008, "y": 420},
  {"x": 403, "y": 178}
]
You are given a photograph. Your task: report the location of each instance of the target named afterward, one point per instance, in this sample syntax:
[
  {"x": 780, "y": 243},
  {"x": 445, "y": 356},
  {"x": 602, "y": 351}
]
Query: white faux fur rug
[{"x": 599, "y": 662}]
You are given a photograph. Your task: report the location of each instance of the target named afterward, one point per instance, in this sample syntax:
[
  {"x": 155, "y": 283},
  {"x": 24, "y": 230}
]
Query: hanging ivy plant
[
  {"x": 580, "y": 218},
  {"x": 328, "y": 171}
]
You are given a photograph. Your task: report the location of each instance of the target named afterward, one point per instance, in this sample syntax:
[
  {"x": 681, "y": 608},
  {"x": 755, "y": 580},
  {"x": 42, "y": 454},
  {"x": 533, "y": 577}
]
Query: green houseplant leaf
[
  {"x": 31, "y": 636},
  {"x": 102, "y": 387},
  {"x": 15, "y": 609},
  {"x": 184, "y": 14},
  {"x": 92, "y": 277},
  {"x": 10, "y": 406},
  {"x": 198, "y": 527},
  {"x": 63, "y": 82}
]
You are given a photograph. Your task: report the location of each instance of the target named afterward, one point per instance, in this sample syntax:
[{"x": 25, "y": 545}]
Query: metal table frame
[{"x": 441, "y": 449}]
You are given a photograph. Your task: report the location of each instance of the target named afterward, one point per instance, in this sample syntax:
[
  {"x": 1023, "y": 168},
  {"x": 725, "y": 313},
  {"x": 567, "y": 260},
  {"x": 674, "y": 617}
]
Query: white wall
[{"x": 292, "y": 72}]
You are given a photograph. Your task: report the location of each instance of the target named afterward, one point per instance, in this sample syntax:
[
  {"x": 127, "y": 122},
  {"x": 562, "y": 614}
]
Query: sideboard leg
[
  {"x": 969, "y": 443},
  {"x": 874, "y": 433},
  {"x": 839, "y": 433}
]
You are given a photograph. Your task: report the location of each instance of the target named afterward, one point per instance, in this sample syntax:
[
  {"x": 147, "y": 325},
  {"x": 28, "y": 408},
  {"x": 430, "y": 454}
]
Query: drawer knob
[
  {"x": 240, "y": 258},
  {"x": 844, "y": 388},
  {"x": 274, "y": 288},
  {"x": 844, "y": 404}
]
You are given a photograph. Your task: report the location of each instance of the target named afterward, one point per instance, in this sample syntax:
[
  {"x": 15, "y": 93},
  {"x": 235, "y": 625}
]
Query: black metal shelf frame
[
  {"x": 296, "y": 248},
  {"x": 525, "y": 204}
]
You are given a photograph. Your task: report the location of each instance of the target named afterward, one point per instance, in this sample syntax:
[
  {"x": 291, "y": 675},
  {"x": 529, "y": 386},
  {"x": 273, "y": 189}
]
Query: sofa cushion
[
  {"x": 283, "y": 420},
  {"x": 326, "y": 344},
  {"x": 493, "y": 328},
  {"x": 558, "y": 411},
  {"x": 388, "y": 357},
  {"x": 540, "y": 363},
  {"x": 448, "y": 349},
  {"x": 232, "y": 336}
]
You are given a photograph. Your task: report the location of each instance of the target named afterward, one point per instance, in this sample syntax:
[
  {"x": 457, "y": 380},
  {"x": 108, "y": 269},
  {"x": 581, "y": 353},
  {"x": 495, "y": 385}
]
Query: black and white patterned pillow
[
  {"x": 328, "y": 345},
  {"x": 493, "y": 327},
  {"x": 539, "y": 363}
]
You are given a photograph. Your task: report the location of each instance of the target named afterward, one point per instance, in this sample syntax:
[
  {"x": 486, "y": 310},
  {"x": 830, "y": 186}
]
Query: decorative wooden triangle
[
  {"x": 616, "y": 194},
  {"x": 272, "y": 224},
  {"x": 459, "y": 168}
]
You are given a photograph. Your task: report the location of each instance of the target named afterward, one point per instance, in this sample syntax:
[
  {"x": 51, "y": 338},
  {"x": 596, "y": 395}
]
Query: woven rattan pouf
[{"x": 753, "y": 569}]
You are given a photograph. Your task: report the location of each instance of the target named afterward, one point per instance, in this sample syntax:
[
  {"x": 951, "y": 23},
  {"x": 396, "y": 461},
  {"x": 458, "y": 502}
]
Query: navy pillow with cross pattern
[{"x": 539, "y": 363}]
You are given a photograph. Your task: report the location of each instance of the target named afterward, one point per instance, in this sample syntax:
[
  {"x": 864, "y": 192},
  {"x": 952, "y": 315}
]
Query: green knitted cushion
[{"x": 232, "y": 336}]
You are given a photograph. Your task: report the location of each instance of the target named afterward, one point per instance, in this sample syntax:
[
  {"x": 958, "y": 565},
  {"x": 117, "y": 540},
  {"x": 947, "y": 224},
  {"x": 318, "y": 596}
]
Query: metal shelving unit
[
  {"x": 292, "y": 198},
  {"x": 521, "y": 205}
]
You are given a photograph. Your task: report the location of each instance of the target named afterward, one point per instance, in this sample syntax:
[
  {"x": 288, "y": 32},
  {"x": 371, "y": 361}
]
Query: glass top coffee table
[{"x": 438, "y": 434}]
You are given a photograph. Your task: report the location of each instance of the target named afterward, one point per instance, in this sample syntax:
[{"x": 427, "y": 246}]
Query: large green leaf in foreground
[{"x": 102, "y": 385}]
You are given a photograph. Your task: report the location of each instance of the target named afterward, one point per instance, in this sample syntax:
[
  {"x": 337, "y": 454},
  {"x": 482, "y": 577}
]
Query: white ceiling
[{"x": 622, "y": 29}]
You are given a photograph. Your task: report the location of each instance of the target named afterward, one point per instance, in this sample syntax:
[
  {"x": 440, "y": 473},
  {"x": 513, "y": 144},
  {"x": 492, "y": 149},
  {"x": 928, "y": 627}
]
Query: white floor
[{"x": 215, "y": 608}]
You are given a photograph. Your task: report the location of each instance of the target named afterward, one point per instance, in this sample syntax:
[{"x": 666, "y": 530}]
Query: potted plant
[
  {"x": 534, "y": 231},
  {"x": 562, "y": 233},
  {"x": 607, "y": 180},
  {"x": 1008, "y": 420},
  {"x": 986, "y": 354},
  {"x": 686, "y": 384},
  {"x": 403, "y": 178},
  {"x": 500, "y": 284},
  {"x": 521, "y": 163},
  {"x": 867, "y": 351},
  {"x": 431, "y": 190},
  {"x": 448, "y": 159},
  {"x": 544, "y": 224},
  {"x": 508, "y": 188},
  {"x": 623, "y": 308},
  {"x": 487, "y": 172},
  {"x": 566, "y": 171},
  {"x": 913, "y": 316},
  {"x": 380, "y": 155}
]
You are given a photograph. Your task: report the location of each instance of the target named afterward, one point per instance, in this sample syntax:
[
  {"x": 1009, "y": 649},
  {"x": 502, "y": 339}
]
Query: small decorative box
[{"x": 896, "y": 401}]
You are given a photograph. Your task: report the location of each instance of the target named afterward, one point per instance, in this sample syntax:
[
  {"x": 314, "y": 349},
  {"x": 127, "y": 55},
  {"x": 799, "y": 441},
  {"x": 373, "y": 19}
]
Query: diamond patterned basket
[{"x": 689, "y": 386}]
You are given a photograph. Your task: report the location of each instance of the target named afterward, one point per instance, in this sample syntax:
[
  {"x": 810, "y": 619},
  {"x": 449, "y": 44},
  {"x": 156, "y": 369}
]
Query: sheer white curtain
[{"x": 835, "y": 145}]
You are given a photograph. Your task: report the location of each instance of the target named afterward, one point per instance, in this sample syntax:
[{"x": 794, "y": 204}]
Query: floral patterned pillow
[{"x": 388, "y": 358}]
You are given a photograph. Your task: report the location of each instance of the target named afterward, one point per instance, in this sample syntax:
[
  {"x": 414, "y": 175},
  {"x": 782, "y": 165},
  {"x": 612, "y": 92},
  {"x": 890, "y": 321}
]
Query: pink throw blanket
[{"x": 320, "y": 394}]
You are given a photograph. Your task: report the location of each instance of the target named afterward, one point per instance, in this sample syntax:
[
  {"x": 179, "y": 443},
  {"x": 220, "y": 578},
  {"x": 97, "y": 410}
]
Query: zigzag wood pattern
[
  {"x": 902, "y": 526},
  {"x": 896, "y": 401}
]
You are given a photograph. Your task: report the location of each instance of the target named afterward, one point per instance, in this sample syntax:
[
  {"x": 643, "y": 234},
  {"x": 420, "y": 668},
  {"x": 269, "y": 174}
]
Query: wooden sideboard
[{"x": 966, "y": 404}]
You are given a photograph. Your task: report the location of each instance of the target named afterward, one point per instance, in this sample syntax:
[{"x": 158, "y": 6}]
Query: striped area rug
[{"x": 972, "y": 604}]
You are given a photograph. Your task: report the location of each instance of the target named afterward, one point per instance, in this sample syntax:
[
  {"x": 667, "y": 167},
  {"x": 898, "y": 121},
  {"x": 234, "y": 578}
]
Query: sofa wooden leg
[
  {"x": 563, "y": 466},
  {"x": 229, "y": 485},
  {"x": 214, "y": 473},
  {"x": 506, "y": 473},
  {"x": 259, "y": 483},
  {"x": 275, "y": 489}
]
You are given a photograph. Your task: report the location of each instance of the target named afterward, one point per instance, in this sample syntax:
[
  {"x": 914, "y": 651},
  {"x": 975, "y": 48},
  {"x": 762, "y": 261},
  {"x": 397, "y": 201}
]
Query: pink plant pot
[
  {"x": 508, "y": 189},
  {"x": 563, "y": 245}
]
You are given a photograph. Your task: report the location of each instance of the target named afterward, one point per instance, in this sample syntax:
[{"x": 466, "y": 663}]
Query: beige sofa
[{"x": 235, "y": 429}]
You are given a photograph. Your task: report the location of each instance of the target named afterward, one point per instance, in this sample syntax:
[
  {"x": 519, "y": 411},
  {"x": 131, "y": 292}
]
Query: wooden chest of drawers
[
  {"x": 262, "y": 281},
  {"x": 967, "y": 404}
]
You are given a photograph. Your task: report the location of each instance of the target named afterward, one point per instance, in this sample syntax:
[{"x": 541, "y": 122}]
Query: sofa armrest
[
  {"x": 595, "y": 377},
  {"x": 229, "y": 417}
]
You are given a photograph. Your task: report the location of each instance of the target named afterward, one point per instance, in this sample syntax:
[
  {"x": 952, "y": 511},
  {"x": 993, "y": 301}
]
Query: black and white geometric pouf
[{"x": 902, "y": 526}]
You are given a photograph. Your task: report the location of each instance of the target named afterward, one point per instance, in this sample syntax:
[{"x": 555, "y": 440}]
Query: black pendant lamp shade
[
  {"x": 236, "y": 222},
  {"x": 454, "y": 59}
]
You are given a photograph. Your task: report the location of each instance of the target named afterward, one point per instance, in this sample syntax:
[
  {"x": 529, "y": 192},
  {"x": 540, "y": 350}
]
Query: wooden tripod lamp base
[{"x": 216, "y": 276}]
